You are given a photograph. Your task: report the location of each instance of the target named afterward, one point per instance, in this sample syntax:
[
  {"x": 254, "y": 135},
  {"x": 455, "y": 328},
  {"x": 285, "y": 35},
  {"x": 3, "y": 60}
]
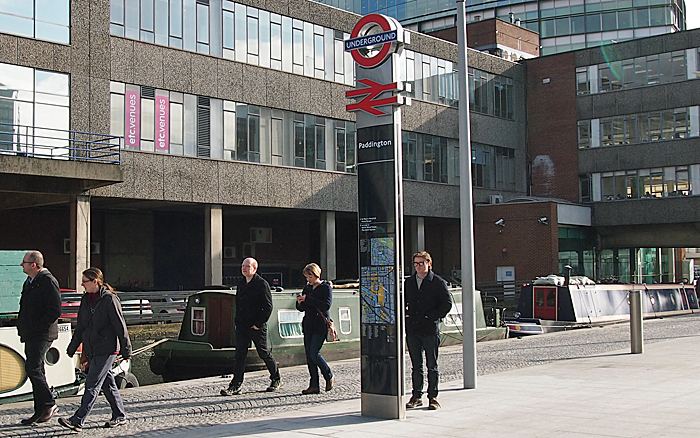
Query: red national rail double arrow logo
[{"x": 370, "y": 103}]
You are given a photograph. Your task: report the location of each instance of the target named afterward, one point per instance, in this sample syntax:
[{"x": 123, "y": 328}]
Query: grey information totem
[{"x": 376, "y": 43}]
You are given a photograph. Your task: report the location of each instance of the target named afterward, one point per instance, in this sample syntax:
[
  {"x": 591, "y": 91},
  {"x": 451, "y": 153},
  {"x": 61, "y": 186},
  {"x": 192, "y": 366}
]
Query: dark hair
[{"x": 96, "y": 274}]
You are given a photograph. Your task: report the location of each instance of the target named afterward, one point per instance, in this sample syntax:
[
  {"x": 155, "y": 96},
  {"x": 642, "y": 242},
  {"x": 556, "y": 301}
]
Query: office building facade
[
  {"x": 563, "y": 25},
  {"x": 166, "y": 140}
]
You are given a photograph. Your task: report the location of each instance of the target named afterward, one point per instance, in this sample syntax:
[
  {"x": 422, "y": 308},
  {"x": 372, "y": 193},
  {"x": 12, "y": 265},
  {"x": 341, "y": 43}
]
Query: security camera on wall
[{"x": 501, "y": 222}]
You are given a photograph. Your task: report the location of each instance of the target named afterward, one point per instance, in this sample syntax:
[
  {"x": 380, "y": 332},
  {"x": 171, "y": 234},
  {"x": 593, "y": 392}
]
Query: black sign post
[{"x": 380, "y": 205}]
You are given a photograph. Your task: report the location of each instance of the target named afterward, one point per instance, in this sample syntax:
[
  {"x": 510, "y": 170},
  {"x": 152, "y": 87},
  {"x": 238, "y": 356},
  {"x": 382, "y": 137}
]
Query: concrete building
[
  {"x": 614, "y": 130},
  {"x": 563, "y": 25},
  {"x": 218, "y": 131}
]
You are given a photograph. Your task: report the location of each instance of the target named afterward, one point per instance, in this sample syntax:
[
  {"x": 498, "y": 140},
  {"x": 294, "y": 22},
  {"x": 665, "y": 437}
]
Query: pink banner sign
[
  {"x": 132, "y": 122},
  {"x": 162, "y": 123}
]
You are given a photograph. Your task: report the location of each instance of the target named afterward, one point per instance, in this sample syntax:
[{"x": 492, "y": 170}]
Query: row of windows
[
  {"x": 640, "y": 183},
  {"x": 606, "y": 21},
  {"x": 255, "y": 36},
  {"x": 184, "y": 124},
  {"x": 42, "y": 19},
  {"x": 34, "y": 107},
  {"x": 670, "y": 124},
  {"x": 629, "y": 73},
  {"x": 289, "y": 322},
  {"x": 493, "y": 167}
]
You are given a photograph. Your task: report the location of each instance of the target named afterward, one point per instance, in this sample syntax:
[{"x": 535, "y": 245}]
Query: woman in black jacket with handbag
[
  {"x": 315, "y": 301},
  {"x": 102, "y": 331}
]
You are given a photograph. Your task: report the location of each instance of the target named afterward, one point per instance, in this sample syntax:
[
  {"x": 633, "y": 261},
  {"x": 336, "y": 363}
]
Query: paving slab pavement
[{"x": 615, "y": 394}]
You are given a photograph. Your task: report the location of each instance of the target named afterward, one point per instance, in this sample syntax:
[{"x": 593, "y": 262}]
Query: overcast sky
[{"x": 692, "y": 13}]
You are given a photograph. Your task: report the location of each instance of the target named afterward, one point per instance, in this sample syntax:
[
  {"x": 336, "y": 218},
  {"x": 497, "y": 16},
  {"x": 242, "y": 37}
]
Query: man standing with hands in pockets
[
  {"x": 253, "y": 309},
  {"x": 427, "y": 302}
]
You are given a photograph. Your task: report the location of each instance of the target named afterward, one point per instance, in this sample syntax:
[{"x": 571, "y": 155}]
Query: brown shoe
[
  {"x": 47, "y": 414},
  {"x": 414, "y": 402},
  {"x": 329, "y": 383},
  {"x": 433, "y": 405},
  {"x": 308, "y": 391}
]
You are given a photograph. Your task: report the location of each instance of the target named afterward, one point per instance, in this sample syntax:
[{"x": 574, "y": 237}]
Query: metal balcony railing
[{"x": 59, "y": 144}]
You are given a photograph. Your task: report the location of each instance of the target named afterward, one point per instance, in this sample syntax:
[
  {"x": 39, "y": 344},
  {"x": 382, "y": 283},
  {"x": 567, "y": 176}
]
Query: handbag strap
[{"x": 322, "y": 315}]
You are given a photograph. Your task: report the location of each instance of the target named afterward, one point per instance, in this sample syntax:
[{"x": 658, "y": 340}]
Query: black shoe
[
  {"x": 47, "y": 414},
  {"x": 65, "y": 422},
  {"x": 274, "y": 385},
  {"x": 231, "y": 390},
  {"x": 115, "y": 422},
  {"x": 414, "y": 402},
  {"x": 31, "y": 420}
]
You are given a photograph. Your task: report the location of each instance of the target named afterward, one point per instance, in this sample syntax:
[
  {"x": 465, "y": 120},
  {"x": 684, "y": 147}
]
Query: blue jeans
[
  {"x": 99, "y": 376},
  {"x": 312, "y": 344},
  {"x": 35, "y": 351},
  {"x": 417, "y": 344}
]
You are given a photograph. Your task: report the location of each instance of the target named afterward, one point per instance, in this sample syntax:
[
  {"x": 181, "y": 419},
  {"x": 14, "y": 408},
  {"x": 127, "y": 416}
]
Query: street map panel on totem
[
  {"x": 382, "y": 251},
  {"x": 378, "y": 294}
]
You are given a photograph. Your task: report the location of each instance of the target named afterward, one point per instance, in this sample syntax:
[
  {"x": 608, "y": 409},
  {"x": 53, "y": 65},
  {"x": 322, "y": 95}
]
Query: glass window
[
  {"x": 276, "y": 42},
  {"x": 240, "y": 31},
  {"x": 679, "y": 69},
  {"x": 657, "y": 17},
  {"x": 161, "y": 22},
  {"x": 345, "y": 325},
  {"x": 652, "y": 69},
  {"x": 584, "y": 134},
  {"x": 562, "y": 26},
  {"x": 641, "y": 18},
  {"x": 582, "y": 80},
  {"x": 547, "y": 28},
  {"x": 202, "y": 28},
  {"x": 665, "y": 68},
  {"x": 189, "y": 25},
  {"x": 654, "y": 126},
  {"x": 176, "y": 18},
  {"x": 593, "y": 23},
  {"x": 625, "y": 19},
  {"x": 682, "y": 181},
  {"x": 577, "y": 24},
  {"x": 667, "y": 124},
  {"x": 290, "y": 323},
  {"x": 680, "y": 123},
  {"x": 52, "y": 20},
  {"x": 609, "y": 21},
  {"x": 198, "y": 321},
  {"x": 607, "y": 189}
]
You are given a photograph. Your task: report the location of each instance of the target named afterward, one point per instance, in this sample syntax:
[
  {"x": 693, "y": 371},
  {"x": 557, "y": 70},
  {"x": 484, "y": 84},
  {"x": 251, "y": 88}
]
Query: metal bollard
[{"x": 636, "y": 328}]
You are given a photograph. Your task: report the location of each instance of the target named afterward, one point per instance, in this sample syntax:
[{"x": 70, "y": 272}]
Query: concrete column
[
  {"x": 79, "y": 239},
  {"x": 213, "y": 245},
  {"x": 328, "y": 258},
  {"x": 417, "y": 235}
]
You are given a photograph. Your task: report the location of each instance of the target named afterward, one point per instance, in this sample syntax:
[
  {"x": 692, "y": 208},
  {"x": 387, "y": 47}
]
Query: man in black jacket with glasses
[{"x": 427, "y": 302}]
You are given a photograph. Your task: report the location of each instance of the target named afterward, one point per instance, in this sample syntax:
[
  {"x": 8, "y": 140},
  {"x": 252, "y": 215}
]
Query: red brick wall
[
  {"x": 533, "y": 248},
  {"x": 551, "y": 113}
]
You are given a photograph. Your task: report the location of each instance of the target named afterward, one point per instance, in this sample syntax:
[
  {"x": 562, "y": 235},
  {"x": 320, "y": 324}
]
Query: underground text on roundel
[{"x": 374, "y": 144}]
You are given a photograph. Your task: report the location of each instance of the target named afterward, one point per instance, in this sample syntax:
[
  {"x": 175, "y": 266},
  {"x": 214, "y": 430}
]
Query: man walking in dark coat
[
  {"x": 253, "y": 309},
  {"x": 39, "y": 310},
  {"x": 427, "y": 302}
]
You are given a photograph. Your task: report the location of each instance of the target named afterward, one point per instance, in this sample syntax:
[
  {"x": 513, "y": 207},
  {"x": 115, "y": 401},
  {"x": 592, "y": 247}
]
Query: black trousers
[
  {"x": 35, "y": 351},
  {"x": 259, "y": 337}
]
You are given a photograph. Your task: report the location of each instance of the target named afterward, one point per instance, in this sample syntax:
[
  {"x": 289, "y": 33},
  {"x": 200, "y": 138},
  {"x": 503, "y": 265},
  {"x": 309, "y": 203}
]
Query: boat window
[
  {"x": 539, "y": 297},
  {"x": 198, "y": 319},
  {"x": 551, "y": 297},
  {"x": 290, "y": 323},
  {"x": 344, "y": 319},
  {"x": 454, "y": 318},
  {"x": 692, "y": 298}
]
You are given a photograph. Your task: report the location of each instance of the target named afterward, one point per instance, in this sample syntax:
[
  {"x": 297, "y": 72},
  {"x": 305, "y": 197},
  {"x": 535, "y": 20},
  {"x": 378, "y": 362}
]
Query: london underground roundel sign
[{"x": 378, "y": 31}]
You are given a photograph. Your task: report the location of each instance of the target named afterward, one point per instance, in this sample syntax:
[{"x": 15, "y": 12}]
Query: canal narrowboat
[
  {"x": 206, "y": 343},
  {"x": 545, "y": 308},
  {"x": 60, "y": 369}
]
